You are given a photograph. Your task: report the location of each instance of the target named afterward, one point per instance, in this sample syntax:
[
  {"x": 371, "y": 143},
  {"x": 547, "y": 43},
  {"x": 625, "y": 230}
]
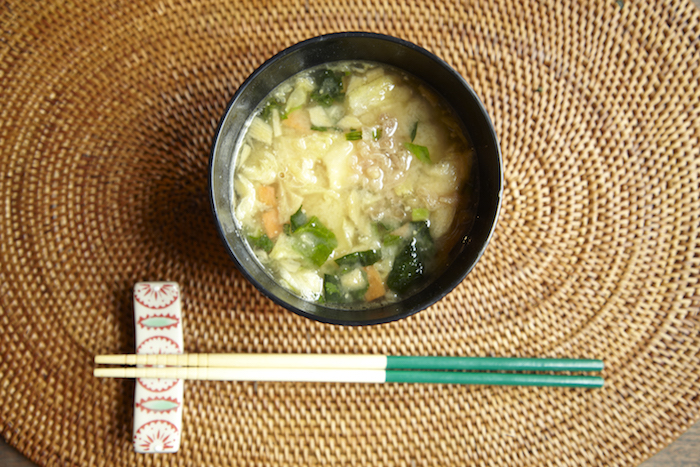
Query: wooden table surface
[{"x": 684, "y": 452}]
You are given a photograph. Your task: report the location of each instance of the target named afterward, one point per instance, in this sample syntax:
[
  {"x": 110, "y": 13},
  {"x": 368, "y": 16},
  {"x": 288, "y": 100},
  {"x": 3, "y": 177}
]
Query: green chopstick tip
[
  {"x": 491, "y": 364},
  {"x": 493, "y": 379}
]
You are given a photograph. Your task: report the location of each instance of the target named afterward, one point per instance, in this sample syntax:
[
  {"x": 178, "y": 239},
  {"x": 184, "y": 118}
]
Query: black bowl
[{"x": 376, "y": 48}]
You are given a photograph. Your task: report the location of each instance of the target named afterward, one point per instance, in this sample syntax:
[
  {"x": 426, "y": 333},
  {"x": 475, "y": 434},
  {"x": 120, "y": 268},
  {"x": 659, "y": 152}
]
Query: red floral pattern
[
  {"x": 155, "y": 296},
  {"x": 156, "y": 436}
]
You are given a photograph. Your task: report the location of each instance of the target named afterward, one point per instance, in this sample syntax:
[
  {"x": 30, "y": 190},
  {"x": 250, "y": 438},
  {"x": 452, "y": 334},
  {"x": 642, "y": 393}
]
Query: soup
[{"x": 353, "y": 181}]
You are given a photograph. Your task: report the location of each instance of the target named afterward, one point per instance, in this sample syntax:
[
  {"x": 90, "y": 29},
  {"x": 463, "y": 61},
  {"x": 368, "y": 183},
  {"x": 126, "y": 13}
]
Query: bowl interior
[{"x": 390, "y": 51}]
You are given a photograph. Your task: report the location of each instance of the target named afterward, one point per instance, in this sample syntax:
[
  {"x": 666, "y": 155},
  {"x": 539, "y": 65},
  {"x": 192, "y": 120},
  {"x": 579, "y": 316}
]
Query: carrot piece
[
  {"x": 298, "y": 119},
  {"x": 271, "y": 222},
  {"x": 376, "y": 286},
  {"x": 266, "y": 195}
]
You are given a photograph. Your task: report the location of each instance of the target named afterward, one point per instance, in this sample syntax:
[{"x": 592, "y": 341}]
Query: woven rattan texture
[{"x": 107, "y": 113}]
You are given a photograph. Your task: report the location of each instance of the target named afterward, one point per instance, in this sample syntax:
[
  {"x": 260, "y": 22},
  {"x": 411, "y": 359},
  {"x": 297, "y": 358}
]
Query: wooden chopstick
[
  {"x": 349, "y": 361},
  {"x": 350, "y": 376}
]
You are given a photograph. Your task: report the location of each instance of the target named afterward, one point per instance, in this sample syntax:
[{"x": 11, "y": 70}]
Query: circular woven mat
[{"x": 108, "y": 111}]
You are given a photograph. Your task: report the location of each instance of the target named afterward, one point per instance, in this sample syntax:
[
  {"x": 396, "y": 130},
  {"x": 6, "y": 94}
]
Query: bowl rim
[{"x": 434, "y": 298}]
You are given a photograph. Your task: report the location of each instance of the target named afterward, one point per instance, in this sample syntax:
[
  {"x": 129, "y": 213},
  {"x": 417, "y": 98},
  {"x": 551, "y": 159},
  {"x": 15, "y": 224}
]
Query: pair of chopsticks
[{"x": 354, "y": 369}]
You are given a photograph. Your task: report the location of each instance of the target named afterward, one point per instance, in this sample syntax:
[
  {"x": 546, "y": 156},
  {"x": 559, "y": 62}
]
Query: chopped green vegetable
[
  {"x": 620, "y": 4},
  {"x": 391, "y": 240},
  {"x": 420, "y": 214},
  {"x": 414, "y": 130},
  {"x": 424, "y": 242},
  {"x": 409, "y": 265},
  {"x": 345, "y": 288},
  {"x": 353, "y": 135},
  {"x": 377, "y": 133},
  {"x": 314, "y": 241},
  {"x": 272, "y": 104},
  {"x": 262, "y": 242},
  {"x": 421, "y": 152},
  {"x": 539, "y": 89},
  {"x": 325, "y": 128},
  {"x": 331, "y": 289},
  {"x": 408, "y": 268},
  {"x": 359, "y": 258},
  {"x": 329, "y": 88},
  {"x": 297, "y": 219},
  {"x": 384, "y": 230}
]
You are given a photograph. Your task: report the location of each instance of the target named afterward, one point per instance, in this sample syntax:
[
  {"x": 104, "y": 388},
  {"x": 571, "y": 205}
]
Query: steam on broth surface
[{"x": 352, "y": 183}]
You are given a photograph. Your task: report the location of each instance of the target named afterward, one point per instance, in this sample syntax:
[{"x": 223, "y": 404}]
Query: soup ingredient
[
  {"x": 410, "y": 263},
  {"x": 352, "y": 183},
  {"x": 314, "y": 241}
]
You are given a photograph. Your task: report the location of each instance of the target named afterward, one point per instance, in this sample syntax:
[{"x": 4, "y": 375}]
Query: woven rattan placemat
[{"x": 108, "y": 111}]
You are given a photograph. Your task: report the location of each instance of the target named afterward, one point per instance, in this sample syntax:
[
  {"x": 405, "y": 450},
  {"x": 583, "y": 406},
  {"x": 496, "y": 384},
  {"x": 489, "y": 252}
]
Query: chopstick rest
[{"x": 158, "y": 401}]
